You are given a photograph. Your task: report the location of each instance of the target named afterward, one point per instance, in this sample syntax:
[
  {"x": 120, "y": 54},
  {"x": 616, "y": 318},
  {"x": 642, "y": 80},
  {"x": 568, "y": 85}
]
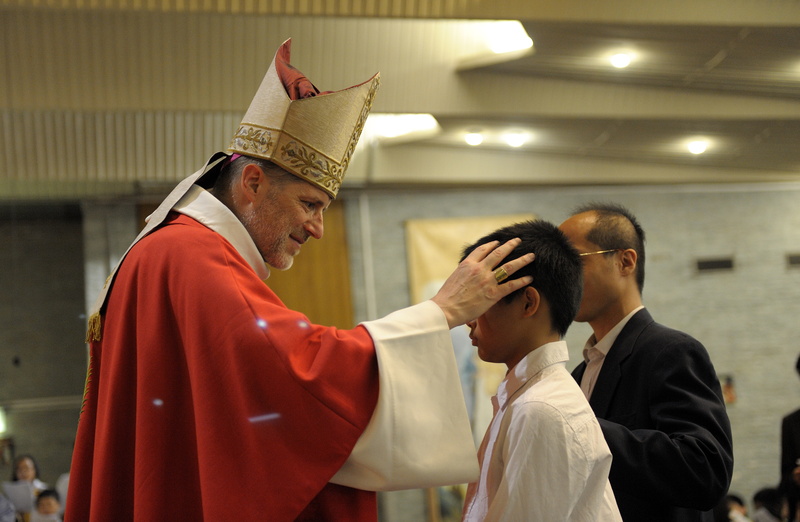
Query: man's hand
[{"x": 472, "y": 288}]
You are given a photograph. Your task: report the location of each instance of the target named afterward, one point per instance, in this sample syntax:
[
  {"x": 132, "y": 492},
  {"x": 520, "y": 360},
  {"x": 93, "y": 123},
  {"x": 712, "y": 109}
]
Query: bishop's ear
[{"x": 252, "y": 181}]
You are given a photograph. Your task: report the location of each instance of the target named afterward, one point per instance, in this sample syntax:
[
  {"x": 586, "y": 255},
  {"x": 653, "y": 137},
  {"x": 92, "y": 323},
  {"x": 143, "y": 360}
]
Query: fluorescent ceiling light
[
  {"x": 508, "y": 36},
  {"x": 493, "y": 42},
  {"x": 394, "y": 125},
  {"x": 397, "y": 126}
]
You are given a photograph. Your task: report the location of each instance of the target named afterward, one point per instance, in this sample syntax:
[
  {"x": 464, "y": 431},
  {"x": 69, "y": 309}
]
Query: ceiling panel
[
  {"x": 110, "y": 96},
  {"x": 739, "y": 144},
  {"x": 740, "y": 59}
]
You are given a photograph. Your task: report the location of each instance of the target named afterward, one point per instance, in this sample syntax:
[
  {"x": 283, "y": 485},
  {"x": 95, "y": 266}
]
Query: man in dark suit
[
  {"x": 653, "y": 389},
  {"x": 790, "y": 458}
]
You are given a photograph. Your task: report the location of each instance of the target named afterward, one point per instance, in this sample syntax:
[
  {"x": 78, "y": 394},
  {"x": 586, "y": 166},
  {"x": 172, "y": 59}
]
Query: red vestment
[{"x": 208, "y": 399}]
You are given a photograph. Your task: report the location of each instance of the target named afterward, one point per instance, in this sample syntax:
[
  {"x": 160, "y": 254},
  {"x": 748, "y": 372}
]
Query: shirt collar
[
  {"x": 203, "y": 207},
  {"x": 605, "y": 344},
  {"x": 530, "y": 368}
]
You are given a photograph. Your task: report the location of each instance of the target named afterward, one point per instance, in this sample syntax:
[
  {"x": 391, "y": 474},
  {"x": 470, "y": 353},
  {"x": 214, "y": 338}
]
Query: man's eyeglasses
[{"x": 600, "y": 252}]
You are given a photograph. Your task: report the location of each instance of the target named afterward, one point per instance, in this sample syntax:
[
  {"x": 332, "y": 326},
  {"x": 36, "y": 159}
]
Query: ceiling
[
  {"x": 116, "y": 97},
  {"x": 750, "y": 63}
]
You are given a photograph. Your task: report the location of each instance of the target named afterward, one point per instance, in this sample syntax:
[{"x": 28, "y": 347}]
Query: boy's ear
[{"x": 531, "y": 301}]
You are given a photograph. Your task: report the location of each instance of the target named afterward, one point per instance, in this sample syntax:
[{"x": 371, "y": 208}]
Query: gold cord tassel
[
  {"x": 86, "y": 384},
  {"x": 93, "y": 331}
]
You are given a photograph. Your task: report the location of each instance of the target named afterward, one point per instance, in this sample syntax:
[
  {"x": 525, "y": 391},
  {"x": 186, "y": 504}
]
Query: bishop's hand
[{"x": 474, "y": 287}]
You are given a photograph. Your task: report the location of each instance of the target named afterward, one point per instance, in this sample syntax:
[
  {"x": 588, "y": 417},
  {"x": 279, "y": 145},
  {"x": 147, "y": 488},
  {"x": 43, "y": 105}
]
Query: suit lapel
[
  {"x": 577, "y": 373},
  {"x": 611, "y": 372}
]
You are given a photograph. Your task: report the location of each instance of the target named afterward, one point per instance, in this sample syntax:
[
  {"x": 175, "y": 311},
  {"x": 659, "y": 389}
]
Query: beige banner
[{"x": 434, "y": 247}]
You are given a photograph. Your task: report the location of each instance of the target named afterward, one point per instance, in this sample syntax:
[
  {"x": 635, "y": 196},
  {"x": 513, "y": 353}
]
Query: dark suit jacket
[
  {"x": 790, "y": 452},
  {"x": 660, "y": 406}
]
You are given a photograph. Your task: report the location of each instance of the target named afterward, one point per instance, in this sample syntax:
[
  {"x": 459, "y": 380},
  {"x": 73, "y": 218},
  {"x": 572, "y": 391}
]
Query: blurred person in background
[{"x": 790, "y": 459}]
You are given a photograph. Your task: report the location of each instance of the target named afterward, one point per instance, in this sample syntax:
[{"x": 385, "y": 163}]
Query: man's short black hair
[
  {"x": 771, "y": 499},
  {"x": 616, "y": 228},
  {"x": 557, "y": 271}
]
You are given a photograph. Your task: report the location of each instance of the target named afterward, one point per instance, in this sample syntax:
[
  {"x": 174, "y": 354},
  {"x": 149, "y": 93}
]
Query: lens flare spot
[{"x": 267, "y": 417}]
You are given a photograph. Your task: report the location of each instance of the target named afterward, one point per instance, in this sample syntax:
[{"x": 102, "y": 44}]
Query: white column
[{"x": 108, "y": 230}]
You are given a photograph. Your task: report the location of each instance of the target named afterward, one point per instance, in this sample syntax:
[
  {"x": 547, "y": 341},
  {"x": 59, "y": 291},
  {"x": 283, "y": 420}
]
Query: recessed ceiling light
[
  {"x": 473, "y": 138},
  {"x": 621, "y": 60},
  {"x": 515, "y": 138},
  {"x": 697, "y": 146}
]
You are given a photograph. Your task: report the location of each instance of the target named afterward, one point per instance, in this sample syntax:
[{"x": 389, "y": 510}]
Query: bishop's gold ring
[{"x": 500, "y": 275}]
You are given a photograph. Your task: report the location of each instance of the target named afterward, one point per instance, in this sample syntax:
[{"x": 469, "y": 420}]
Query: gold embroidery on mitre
[
  {"x": 312, "y": 165},
  {"x": 362, "y": 120},
  {"x": 252, "y": 140}
]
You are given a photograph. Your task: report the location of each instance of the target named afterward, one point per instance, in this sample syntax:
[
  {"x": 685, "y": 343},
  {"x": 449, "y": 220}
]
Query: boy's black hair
[{"x": 557, "y": 271}]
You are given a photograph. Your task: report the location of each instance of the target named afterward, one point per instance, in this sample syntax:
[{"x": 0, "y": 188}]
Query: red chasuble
[{"x": 208, "y": 399}]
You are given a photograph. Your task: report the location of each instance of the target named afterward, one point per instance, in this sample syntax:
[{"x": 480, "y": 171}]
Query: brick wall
[{"x": 42, "y": 325}]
